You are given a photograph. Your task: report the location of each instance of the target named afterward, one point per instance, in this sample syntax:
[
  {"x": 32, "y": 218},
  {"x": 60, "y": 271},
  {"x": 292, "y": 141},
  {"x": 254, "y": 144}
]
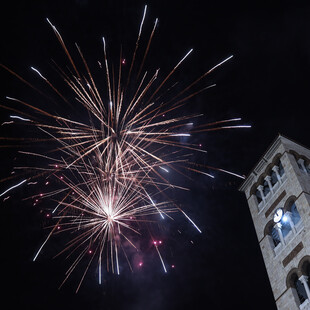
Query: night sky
[{"x": 265, "y": 83}]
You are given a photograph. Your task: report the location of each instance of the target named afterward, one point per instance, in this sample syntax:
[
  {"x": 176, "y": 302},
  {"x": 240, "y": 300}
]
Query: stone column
[
  {"x": 260, "y": 188},
  {"x": 276, "y": 170},
  {"x": 278, "y": 228},
  {"x": 268, "y": 180}
]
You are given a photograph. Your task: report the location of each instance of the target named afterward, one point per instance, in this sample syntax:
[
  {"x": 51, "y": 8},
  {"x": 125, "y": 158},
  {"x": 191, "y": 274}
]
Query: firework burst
[{"x": 110, "y": 167}]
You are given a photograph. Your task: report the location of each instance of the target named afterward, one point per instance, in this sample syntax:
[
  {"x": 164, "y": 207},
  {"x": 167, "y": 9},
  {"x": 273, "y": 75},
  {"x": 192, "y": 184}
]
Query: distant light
[{"x": 285, "y": 218}]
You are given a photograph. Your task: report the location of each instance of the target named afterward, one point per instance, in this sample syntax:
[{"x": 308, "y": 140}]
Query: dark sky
[{"x": 265, "y": 83}]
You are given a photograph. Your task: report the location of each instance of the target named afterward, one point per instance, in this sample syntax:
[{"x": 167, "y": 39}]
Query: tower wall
[{"x": 283, "y": 261}]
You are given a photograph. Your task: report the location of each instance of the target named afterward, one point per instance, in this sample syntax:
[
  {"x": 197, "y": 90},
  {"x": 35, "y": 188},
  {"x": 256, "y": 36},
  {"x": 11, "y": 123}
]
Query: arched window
[
  {"x": 302, "y": 163},
  {"x": 299, "y": 287},
  {"x": 305, "y": 270},
  {"x": 281, "y": 169},
  {"x": 273, "y": 232},
  {"x": 266, "y": 188},
  {"x": 285, "y": 227},
  {"x": 291, "y": 208},
  {"x": 295, "y": 214},
  {"x": 299, "y": 163},
  {"x": 274, "y": 178}
]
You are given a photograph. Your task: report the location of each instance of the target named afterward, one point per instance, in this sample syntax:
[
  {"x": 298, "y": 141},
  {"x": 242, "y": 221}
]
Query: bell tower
[{"x": 278, "y": 194}]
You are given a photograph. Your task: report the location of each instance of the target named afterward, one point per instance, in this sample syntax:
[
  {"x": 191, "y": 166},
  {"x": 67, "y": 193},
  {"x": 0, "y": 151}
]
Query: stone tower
[{"x": 278, "y": 194}]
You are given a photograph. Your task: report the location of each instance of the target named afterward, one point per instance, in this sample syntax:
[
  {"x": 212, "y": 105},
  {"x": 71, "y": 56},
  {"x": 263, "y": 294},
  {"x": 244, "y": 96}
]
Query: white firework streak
[{"x": 109, "y": 167}]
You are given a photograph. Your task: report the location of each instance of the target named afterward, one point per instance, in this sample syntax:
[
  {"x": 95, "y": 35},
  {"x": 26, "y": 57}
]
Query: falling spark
[
  {"x": 231, "y": 173},
  {"x": 162, "y": 168},
  {"x": 6, "y": 198},
  {"x": 20, "y": 118},
  {"x": 32, "y": 183},
  {"x": 160, "y": 257},
  {"x": 191, "y": 221},
  {"x": 7, "y": 123},
  {"x": 181, "y": 135},
  {"x": 221, "y": 63},
  {"x": 37, "y": 71},
  {"x": 12, "y": 187}
]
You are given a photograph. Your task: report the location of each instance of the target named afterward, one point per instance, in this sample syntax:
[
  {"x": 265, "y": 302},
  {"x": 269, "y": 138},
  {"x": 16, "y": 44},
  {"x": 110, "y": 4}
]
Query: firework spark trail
[
  {"x": 7, "y": 123},
  {"x": 147, "y": 48},
  {"x": 116, "y": 211},
  {"x": 191, "y": 221},
  {"x": 49, "y": 83},
  {"x": 12, "y": 187},
  {"x": 20, "y": 118},
  {"x": 111, "y": 168},
  {"x": 137, "y": 45},
  {"x": 161, "y": 259}
]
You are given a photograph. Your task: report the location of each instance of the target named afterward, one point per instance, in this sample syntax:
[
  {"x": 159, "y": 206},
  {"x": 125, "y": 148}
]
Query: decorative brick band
[
  {"x": 292, "y": 254},
  {"x": 275, "y": 203}
]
